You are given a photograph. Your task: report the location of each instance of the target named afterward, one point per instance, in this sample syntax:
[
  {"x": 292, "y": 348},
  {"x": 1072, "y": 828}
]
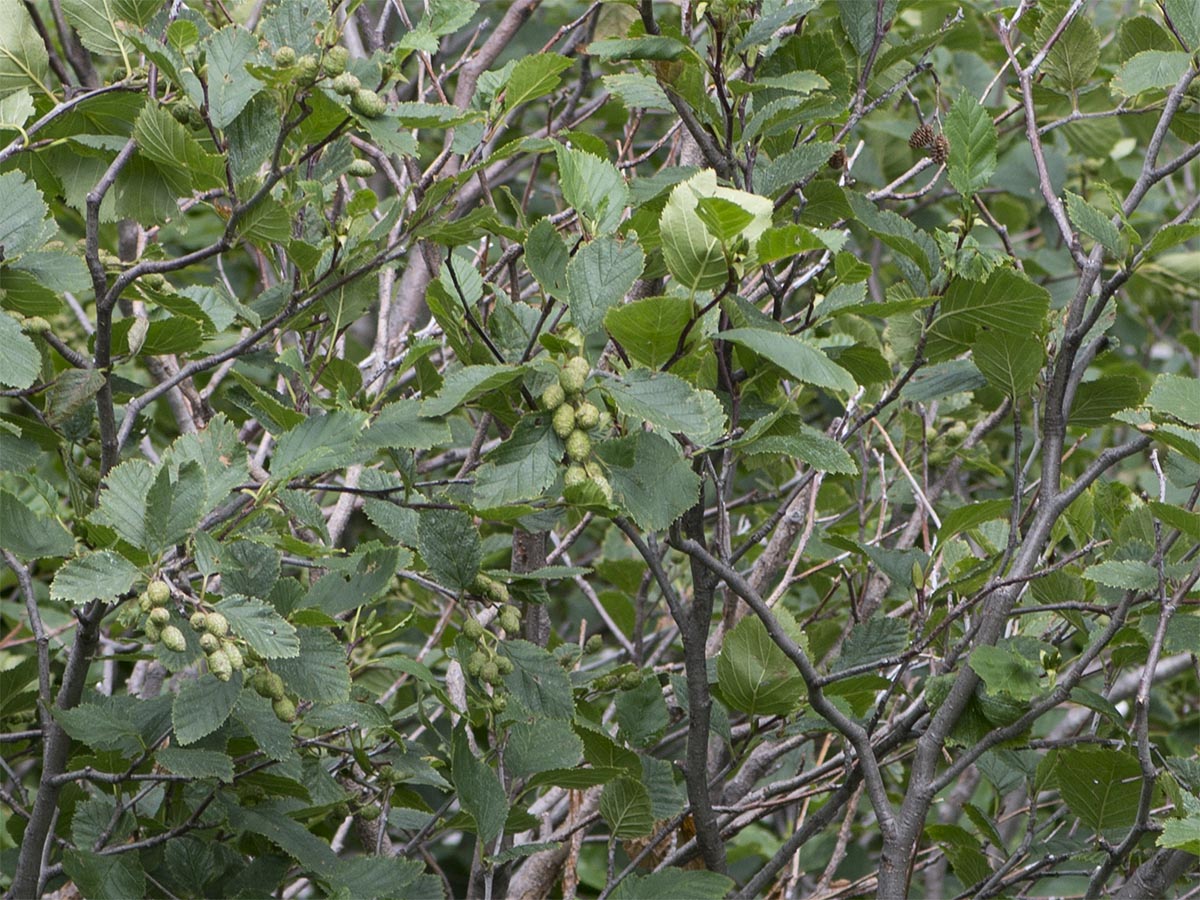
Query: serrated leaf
[
  {"x": 1093, "y": 223},
  {"x": 356, "y": 580},
  {"x": 122, "y": 504},
  {"x": 230, "y": 86},
  {"x": 318, "y": 444},
  {"x": 642, "y": 713},
  {"x": 1100, "y": 786},
  {"x": 1128, "y": 574},
  {"x": 547, "y": 257},
  {"x": 24, "y": 62},
  {"x": 1096, "y": 401},
  {"x": 174, "y": 505},
  {"x": 971, "y": 515},
  {"x": 181, "y": 159},
  {"x": 271, "y": 820},
  {"x": 479, "y": 789},
  {"x": 1007, "y": 302},
  {"x": 657, "y": 47},
  {"x": 972, "y": 139},
  {"x": 449, "y": 543},
  {"x": 793, "y": 166},
  {"x": 103, "y": 575},
  {"x": 1181, "y": 834},
  {"x": 1006, "y": 671},
  {"x": 755, "y": 676},
  {"x": 795, "y": 356},
  {"x": 1150, "y": 70},
  {"x": 270, "y": 635},
  {"x": 29, "y": 535},
  {"x": 651, "y": 482},
  {"x": 320, "y": 672},
  {"x": 534, "y": 76},
  {"x": 598, "y": 278},
  {"x": 1177, "y": 396},
  {"x": 1010, "y": 362},
  {"x": 669, "y": 403},
  {"x": 105, "y": 877},
  {"x": 594, "y": 187},
  {"x": 196, "y": 763},
  {"x": 1185, "y": 18},
  {"x": 537, "y": 681},
  {"x": 876, "y": 638},
  {"x": 104, "y": 724},
  {"x": 23, "y": 213},
  {"x": 468, "y": 383},
  {"x": 203, "y": 705},
  {"x": 402, "y": 425},
  {"x": 649, "y": 329},
  {"x": 637, "y": 91},
  {"x": 1073, "y": 57},
  {"x": 540, "y": 745},
  {"x": 626, "y": 808},
  {"x": 674, "y": 884},
  {"x": 519, "y": 469}
]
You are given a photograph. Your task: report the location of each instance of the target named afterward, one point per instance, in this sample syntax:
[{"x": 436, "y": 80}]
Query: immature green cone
[
  {"x": 215, "y": 623},
  {"x": 370, "y": 813},
  {"x": 173, "y": 639},
  {"x": 490, "y": 588},
  {"x": 576, "y": 474},
  {"x": 209, "y": 643},
  {"x": 490, "y": 672},
  {"x": 197, "y": 621},
  {"x": 308, "y": 68},
  {"x": 587, "y": 416},
  {"x": 275, "y": 687},
  {"x": 152, "y": 632},
  {"x": 473, "y": 629},
  {"x": 218, "y": 664},
  {"x": 335, "y": 61},
  {"x": 367, "y": 103},
  {"x": 563, "y": 422},
  {"x": 346, "y": 84},
  {"x": 360, "y": 168},
  {"x": 159, "y": 593},
  {"x": 574, "y": 375},
  {"x": 285, "y": 710},
  {"x": 553, "y": 397},
  {"x": 234, "y": 654},
  {"x": 504, "y": 665},
  {"x": 475, "y": 663},
  {"x": 160, "y": 616},
  {"x": 284, "y": 57},
  {"x": 579, "y": 446},
  {"x": 510, "y": 619},
  {"x": 594, "y": 644}
]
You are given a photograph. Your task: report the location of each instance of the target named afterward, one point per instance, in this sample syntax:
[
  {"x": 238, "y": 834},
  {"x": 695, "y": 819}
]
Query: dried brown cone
[
  {"x": 922, "y": 136},
  {"x": 838, "y": 160},
  {"x": 940, "y": 151}
]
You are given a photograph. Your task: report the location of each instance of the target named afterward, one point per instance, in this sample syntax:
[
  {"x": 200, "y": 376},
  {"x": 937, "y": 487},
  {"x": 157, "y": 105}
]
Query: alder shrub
[{"x": 517, "y": 449}]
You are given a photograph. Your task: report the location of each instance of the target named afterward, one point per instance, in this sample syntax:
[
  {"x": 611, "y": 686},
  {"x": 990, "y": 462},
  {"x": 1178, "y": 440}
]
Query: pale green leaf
[
  {"x": 1010, "y": 362},
  {"x": 1073, "y": 57},
  {"x": 20, "y": 363},
  {"x": 479, "y": 790},
  {"x": 196, "y": 763},
  {"x": 537, "y": 682},
  {"x": 23, "y": 212},
  {"x": 1150, "y": 70},
  {"x": 594, "y": 187},
  {"x": 317, "y": 444},
  {"x": 541, "y": 745},
  {"x": 466, "y": 384},
  {"x": 1181, "y": 834},
  {"x": 626, "y": 808},
  {"x": 637, "y": 91},
  {"x": 972, "y": 139},
  {"x": 29, "y": 535},
  {"x": 795, "y": 356},
  {"x": 651, "y": 481},
  {"x": 268, "y": 634},
  {"x": 519, "y": 469},
  {"x": 755, "y": 676},
  {"x": 320, "y": 672},
  {"x": 1093, "y": 223},
  {"x": 598, "y": 278},
  {"x": 673, "y": 883},
  {"x": 1185, "y": 17},
  {"x": 103, "y": 575},
  {"x": 230, "y": 86},
  {"x": 649, "y": 330},
  {"x": 24, "y": 62},
  {"x": 668, "y": 403},
  {"x": 534, "y": 76},
  {"x": 1177, "y": 396},
  {"x": 642, "y": 713},
  {"x": 1128, "y": 574}
]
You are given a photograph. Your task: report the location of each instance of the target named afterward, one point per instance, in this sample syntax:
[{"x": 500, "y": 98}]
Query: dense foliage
[{"x": 620, "y": 449}]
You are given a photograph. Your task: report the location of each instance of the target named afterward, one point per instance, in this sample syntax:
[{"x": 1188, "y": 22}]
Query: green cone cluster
[
  {"x": 572, "y": 418},
  {"x": 269, "y": 685},
  {"x": 222, "y": 653},
  {"x": 484, "y": 663}
]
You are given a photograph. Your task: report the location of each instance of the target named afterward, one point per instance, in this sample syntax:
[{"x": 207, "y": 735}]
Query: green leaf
[
  {"x": 1177, "y": 396},
  {"x": 1181, "y": 834},
  {"x": 547, "y": 258},
  {"x": 637, "y": 91},
  {"x": 541, "y": 745},
  {"x": 1188, "y": 523},
  {"x": 1096, "y": 401},
  {"x": 105, "y": 877},
  {"x": 479, "y": 790},
  {"x": 29, "y": 535},
  {"x": 650, "y": 480},
  {"x": 1150, "y": 70},
  {"x": 723, "y": 218},
  {"x": 203, "y": 705},
  {"x": 1170, "y": 236},
  {"x": 795, "y": 165},
  {"x": 273, "y": 737},
  {"x": 230, "y": 86},
  {"x": 318, "y": 444},
  {"x": 1093, "y": 223},
  {"x": 270, "y": 635},
  {"x": 872, "y": 640},
  {"x": 271, "y": 820},
  {"x": 755, "y": 676},
  {"x": 657, "y": 47},
  {"x": 1007, "y": 302},
  {"x": 533, "y": 77},
  {"x": 174, "y": 505},
  {"x": 196, "y": 763},
  {"x": 1100, "y": 786},
  {"x": 403, "y": 426},
  {"x": 182, "y": 161},
  {"x": 1127, "y": 574},
  {"x": 23, "y": 212},
  {"x": 963, "y": 850},
  {"x": 649, "y": 329},
  {"x": 220, "y": 456},
  {"x": 970, "y": 516},
  {"x": 795, "y": 356},
  {"x": 537, "y": 681},
  {"x": 103, "y": 575},
  {"x": 598, "y": 278},
  {"x": 1010, "y": 362},
  {"x": 642, "y": 713},
  {"x": 97, "y": 22},
  {"x": 466, "y": 384},
  {"x": 24, "y": 62},
  {"x": 449, "y": 543},
  {"x": 356, "y": 580},
  {"x": 1006, "y": 671},
  {"x": 376, "y": 876},
  {"x": 859, "y": 20},
  {"x": 594, "y": 187},
  {"x": 789, "y": 436},
  {"x": 674, "y": 884},
  {"x": 626, "y": 808},
  {"x": 669, "y": 403},
  {"x": 1073, "y": 57},
  {"x": 105, "y": 725},
  {"x": 320, "y": 672},
  {"x": 1185, "y": 17},
  {"x": 519, "y": 469},
  {"x": 972, "y": 139}
]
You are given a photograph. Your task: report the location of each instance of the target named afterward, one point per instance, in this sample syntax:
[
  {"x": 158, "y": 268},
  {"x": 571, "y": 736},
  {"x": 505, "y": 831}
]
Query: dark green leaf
[
  {"x": 479, "y": 789},
  {"x": 449, "y": 543}
]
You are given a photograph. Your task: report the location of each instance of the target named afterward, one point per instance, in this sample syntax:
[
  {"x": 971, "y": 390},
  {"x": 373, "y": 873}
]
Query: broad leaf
[
  {"x": 795, "y": 356},
  {"x": 1101, "y": 786},
  {"x": 449, "y": 543},
  {"x": 1010, "y": 362},
  {"x": 103, "y": 575},
  {"x": 479, "y": 790},
  {"x": 29, "y": 535},
  {"x": 598, "y": 278},
  {"x": 651, "y": 482},
  {"x": 972, "y": 139},
  {"x": 626, "y": 808},
  {"x": 269, "y": 634},
  {"x": 755, "y": 676},
  {"x": 202, "y": 706},
  {"x": 668, "y": 403}
]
